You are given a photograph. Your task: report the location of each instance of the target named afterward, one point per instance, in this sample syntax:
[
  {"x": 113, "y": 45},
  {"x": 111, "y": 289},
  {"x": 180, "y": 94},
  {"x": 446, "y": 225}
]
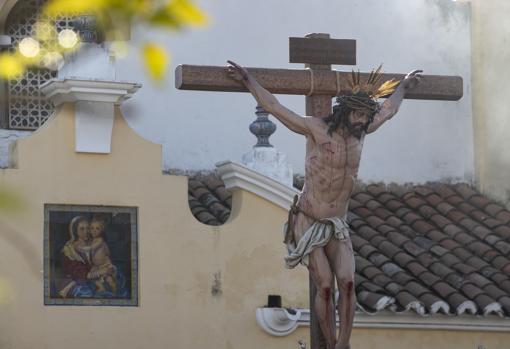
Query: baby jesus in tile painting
[{"x": 102, "y": 265}]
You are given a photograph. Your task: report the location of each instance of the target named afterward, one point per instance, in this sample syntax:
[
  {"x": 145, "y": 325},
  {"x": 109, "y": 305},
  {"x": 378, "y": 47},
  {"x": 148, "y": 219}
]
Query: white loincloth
[{"x": 317, "y": 235}]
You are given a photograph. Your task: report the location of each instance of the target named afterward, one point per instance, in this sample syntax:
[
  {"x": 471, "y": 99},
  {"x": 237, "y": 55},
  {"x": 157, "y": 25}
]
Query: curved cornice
[
  {"x": 282, "y": 321},
  {"x": 236, "y": 176}
]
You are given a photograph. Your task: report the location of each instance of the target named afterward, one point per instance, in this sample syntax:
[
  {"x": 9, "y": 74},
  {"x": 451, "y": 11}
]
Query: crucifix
[{"x": 317, "y": 233}]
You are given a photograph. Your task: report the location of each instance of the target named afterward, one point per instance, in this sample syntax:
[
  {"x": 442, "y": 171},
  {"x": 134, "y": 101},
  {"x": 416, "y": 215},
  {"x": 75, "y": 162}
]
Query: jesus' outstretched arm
[
  {"x": 267, "y": 101},
  {"x": 391, "y": 105}
]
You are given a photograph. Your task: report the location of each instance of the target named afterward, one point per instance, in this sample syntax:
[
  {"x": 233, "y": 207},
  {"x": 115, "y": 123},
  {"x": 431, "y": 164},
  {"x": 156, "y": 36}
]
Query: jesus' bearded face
[{"x": 357, "y": 121}]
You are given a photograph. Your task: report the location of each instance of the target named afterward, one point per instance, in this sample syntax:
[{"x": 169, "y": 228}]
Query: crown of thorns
[{"x": 365, "y": 95}]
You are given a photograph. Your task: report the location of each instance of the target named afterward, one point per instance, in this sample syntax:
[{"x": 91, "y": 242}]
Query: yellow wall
[
  {"x": 427, "y": 339},
  {"x": 178, "y": 258},
  {"x": 491, "y": 88}
]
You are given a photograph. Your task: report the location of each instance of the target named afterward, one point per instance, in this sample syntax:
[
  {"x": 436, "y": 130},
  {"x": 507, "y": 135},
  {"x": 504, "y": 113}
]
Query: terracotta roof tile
[
  {"x": 464, "y": 190},
  {"x": 479, "y": 215},
  {"x": 449, "y": 244},
  {"x": 362, "y": 212},
  {"x": 503, "y": 216},
  {"x": 402, "y": 278},
  {"x": 503, "y": 231},
  {"x": 490, "y": 255},
  {"x": 466, "y": 208},
  {"x": 492, "y": 239},
  {"x": 378, "y": 259},
  {"x": 492, "y": 223},
  {"x": 494, "y": 292},
  {"x": 376, "y": 189},
  {"x": 385, "y": 229},
  {"x": 391, "y": 269},
  {"x": 480, "y": 248},
  {"x": 429, "y": 279},
  {"x": 450, "y": 259},
  {"x": 456, "y": 215},
  {"x": 435, "y": 200},
  {"x": 444, "y": 190},
  {"x": 481, "y": 232},
  {"x": 456, "y": 300},
  {"x": 436, "y": 235},
  {"x": 464, "y": 268},
  {"x": 493, "y": 209},
  {"x": 455, "y": 200},
  {"x": 383, "y": 213},
  {"x": 385, "y": 197},
  {"x": 479, "y": 280},
  {"x": 422, "y": 226},
  {"x": 438, "y": 250},
  {"x": 395, "y": 205},
  {"x": 403, "y": 259},
  {"x": 455, "y": 280},
  {"x": 429, "y": 248},
  {"x": 443, "y": 289},
  {"x": 367, "y": 250},
  {"x": 500, "y": 262}
]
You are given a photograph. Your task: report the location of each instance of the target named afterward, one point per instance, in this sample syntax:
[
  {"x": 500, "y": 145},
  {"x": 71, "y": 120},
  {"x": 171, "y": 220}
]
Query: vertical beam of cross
[{"x": 318, "y": 106}]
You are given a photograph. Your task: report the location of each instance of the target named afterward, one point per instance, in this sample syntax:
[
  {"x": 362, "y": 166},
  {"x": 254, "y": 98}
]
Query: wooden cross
[{"x": 319, "y": 83}]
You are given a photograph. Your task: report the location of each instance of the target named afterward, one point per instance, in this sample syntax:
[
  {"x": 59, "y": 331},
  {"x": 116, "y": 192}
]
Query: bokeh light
[
  {"x": 119, "y": 49},
  {"x": 29, "y": 47},
  {"x": 52, "y": 60},
  {"x": 67, "y": 38}
]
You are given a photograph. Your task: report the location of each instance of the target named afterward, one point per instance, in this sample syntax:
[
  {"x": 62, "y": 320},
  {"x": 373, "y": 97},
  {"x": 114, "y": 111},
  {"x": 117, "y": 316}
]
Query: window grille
[{"x": 27, "y": 108}]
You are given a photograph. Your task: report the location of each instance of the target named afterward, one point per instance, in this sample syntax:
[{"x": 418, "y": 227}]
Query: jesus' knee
[
  {"x": 346, "y": 285},
  {"x": 324, "y": 289}
]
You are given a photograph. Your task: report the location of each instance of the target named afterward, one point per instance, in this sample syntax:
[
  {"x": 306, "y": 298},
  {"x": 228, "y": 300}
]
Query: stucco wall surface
[
  {"x": 491, "y": 54},
  {"x": 427, "y": 140}
]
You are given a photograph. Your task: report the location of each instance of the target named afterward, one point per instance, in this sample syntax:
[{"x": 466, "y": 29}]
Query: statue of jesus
[{"x": 317, "y": 233}]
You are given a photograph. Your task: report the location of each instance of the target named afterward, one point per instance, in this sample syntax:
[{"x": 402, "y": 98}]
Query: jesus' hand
[
  {"x": 236, "y": 72},
  {"x": 412, "y": 79}
]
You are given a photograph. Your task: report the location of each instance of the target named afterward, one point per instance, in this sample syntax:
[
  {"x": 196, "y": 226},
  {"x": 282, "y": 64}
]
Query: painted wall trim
[
  {"x": 94, "y": 108},
  {"x": 282, "y": 322},
  {"x": 73, "y": 90},
  {"x": 237, "y": 176}
]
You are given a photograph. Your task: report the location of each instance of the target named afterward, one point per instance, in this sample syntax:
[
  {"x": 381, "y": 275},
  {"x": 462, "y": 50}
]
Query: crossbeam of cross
[{"x": 308, "y": 82}]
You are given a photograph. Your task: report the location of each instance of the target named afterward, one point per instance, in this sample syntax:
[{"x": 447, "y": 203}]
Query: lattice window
[{"x": 28, "y": 109}]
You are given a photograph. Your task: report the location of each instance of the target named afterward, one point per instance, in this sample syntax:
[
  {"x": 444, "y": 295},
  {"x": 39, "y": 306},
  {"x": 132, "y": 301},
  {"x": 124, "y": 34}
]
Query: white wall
[
  {"x": 426, "y": 140},
  {"x": 491, "y": 54}
]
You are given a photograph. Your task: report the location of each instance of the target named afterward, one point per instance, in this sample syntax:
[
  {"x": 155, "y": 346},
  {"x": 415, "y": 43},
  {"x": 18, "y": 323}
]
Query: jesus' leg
[
  {"x": 320, "y": 271},
  {"x": 341, "y": 257}
]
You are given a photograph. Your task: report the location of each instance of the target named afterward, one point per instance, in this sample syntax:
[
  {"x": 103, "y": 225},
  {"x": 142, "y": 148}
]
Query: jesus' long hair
[{"x": 346, "y": 104}]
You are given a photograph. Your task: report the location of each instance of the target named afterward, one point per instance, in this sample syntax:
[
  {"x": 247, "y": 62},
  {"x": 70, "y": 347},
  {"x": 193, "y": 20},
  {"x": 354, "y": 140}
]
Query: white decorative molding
[
  {"x": 5, "y": 40},
  {"x": 7, "y": 138},
  {"x": 72, "y": 90},
  {"x": 282, "y": 322},
  {"x": 270, "y": 162},
  {"x": 94, "y": 108},
  {"x": 93, "y": 127},
  {"x": 278, "y": 322},
  {"x": 237, "y": 176}
]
